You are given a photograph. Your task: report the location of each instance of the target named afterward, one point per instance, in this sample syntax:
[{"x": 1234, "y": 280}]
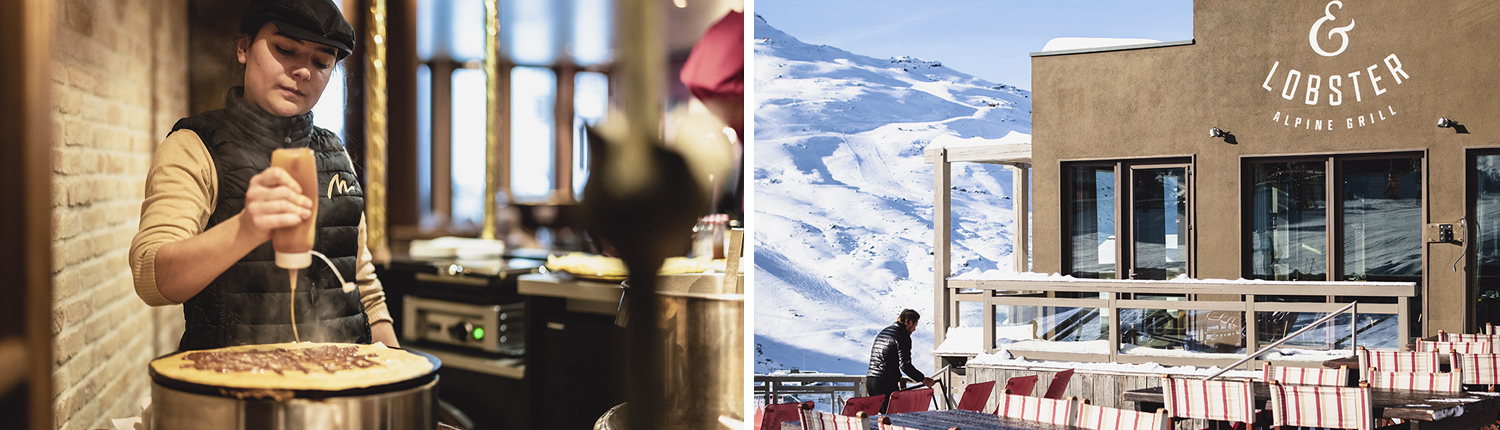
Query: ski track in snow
[{"x": 844, "y": 198}]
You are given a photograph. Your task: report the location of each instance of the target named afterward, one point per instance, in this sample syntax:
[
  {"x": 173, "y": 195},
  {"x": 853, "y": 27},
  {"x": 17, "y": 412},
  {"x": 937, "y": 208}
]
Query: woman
[{"x": 212, "y": 202}]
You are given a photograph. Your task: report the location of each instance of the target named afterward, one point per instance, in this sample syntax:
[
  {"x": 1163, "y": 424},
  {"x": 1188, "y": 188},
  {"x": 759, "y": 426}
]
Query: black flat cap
[{"x": 308, "y": 20}]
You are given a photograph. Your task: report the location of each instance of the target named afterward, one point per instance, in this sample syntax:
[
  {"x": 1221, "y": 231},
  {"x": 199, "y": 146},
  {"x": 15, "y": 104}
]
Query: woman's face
[{"x": 284, "y": 76}]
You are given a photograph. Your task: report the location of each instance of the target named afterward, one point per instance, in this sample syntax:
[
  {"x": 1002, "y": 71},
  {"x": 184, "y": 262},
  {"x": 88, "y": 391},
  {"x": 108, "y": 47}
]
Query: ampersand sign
[{"x": 1343, "y": 32}]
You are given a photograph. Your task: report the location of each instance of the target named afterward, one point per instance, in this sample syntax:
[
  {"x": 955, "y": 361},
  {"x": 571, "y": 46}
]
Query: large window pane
[
  {"x": 329, "y": 112},
  {"x": 529, "y": 31},
  {"x": 533, "y": 94},
  {"x": 467, "y": 30},
  {"x": 427, "y": 18},
  {"x": 1486, "y": 245},
  {"x": 1382, "y": 226},
  {"x": 1051, "y": 323},
  {"x": 1289, "y": 218},
  {"x": 424, "y": 140},
  {"x": 468, "y": 146},
  {"x": 590, "y": 102},
  {"x": 1159, "y": 208},
  {"x": 1145, "y": 330},
  {"x": 1092, "y": 212},
  {"x": 1376, "y": 331},
  {"x": 591, "y": 30}
]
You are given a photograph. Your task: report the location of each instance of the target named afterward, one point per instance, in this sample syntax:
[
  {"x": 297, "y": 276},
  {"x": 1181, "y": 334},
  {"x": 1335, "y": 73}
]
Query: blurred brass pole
[
  {"x": 491, "y": 115},
  {"x": 376, "y": 132},
  {"x": 643, "y": 57}
]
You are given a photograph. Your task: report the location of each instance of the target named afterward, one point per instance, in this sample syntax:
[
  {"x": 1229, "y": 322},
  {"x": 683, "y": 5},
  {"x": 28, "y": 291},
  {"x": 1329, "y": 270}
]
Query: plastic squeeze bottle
[{"x": 294, "y": 244}]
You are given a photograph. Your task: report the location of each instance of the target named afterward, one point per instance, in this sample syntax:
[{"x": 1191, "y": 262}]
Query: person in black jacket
[{"x": 891, "y": 356}]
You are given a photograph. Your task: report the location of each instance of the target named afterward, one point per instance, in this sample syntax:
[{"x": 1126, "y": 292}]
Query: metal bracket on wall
[{"x": 1445, "y": 233}]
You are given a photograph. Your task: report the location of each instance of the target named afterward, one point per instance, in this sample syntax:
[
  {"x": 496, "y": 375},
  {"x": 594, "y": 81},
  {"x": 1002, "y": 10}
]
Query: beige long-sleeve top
[{"x": 181, "y": 192}]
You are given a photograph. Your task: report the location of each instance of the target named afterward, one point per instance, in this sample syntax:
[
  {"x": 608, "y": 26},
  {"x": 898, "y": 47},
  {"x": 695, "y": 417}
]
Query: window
[
  {"x": 1484, "y": 180},
  {"x": 1344, "y": 218},
  {"x": 1376, "y": 224},
  {"x": 1151, "y": 240},
  {"x": 1159, "y": 199},
  {"x": 1133, "y": 215},
  {"x": 1289, "y": 216},
  {"x": 554, "y": 58},
  {"x": 1092, "y": 217}
]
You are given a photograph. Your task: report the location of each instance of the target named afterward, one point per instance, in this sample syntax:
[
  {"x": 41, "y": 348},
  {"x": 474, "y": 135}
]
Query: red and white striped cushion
[
  {"x": 1106, "y": 418},
  {"x": 1482, "y": 347},
  {"x": 1469, "y": 337},
  {"x": 1307, "y": 376},
  {"x": 1318, "y": 406},
  {"x": 1478, "y": 368},
  {"x": 1426, "y": 381},
  {"x": 1397, "y": 361},
  {"x": 814, "y": 420},
  {"x": 1053, "y": 411},
  {"x": 1209, "y": 400}
]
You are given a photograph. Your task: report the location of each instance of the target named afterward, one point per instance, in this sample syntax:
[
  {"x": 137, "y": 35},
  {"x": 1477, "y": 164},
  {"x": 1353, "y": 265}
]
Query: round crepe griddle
[{"x": 282, "y": 394}]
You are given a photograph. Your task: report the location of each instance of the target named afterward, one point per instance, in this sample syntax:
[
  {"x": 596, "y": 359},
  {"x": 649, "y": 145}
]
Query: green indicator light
[{"x": 478, "y": 333}]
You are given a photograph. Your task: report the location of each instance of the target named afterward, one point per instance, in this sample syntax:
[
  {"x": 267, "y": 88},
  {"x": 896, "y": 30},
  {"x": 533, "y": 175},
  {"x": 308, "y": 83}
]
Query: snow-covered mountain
[{"x": 843, "y": 200}]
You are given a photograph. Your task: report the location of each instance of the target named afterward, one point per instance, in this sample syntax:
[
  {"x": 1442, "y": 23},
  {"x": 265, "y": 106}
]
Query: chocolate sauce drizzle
[{"x": 329, "y": 358}]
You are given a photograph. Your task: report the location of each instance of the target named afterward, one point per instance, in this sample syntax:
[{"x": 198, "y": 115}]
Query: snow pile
[
  {"x": 951, "y": 141},
  {"x": 843, "y": 197},
  {"x": 961, "y": 341}
]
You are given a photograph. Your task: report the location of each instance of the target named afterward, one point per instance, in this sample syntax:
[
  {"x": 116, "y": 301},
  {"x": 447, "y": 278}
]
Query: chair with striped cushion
[
  {"x": 909, "y": 401},
  {"x": 1051, "y": 411},
  {"x": 869, "y": 405},
  {"x": 1478, "y": 369},
  {"x": 1232, "y": 401},
  {"x": 1396, "y": 361},
  {"x": 976, "y": 396},
  {"x": 778, "y": 413},
  {"x": 1319, "y": 406},
  {"x": 1307, "y": 376},
  {"x": 814, "y": 420},
  {"x": 1425, "y": 381},
  {"x": 1468, "y": 337},
  {"x": 1481, "y": 347},
  {"x": 1106, "y": 418}
]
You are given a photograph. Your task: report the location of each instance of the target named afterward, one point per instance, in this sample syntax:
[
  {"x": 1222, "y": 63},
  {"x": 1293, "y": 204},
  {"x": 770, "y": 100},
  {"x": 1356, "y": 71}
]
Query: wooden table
[
  {"x": 1417, "y": 407},
  {"x": 966, "y": 420}
]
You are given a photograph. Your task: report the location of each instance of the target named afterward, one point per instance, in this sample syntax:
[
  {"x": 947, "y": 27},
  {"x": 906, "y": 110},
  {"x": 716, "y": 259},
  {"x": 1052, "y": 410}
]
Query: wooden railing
[{"x": 1233, "y": 307}]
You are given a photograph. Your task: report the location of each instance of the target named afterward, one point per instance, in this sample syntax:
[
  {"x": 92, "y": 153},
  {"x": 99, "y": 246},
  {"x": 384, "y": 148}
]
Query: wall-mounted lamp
[
  {"x": 1445, "y": 123},
  {"x": 1216, "y": 132}
]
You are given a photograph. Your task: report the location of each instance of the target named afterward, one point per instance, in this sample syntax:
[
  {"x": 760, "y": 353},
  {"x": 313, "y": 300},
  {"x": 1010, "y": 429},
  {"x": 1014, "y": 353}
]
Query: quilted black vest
[{"x": 250, "y": 302}]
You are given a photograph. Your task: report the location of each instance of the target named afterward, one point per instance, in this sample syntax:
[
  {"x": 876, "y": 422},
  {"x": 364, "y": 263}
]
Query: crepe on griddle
[{"x": 294, "y": 366}]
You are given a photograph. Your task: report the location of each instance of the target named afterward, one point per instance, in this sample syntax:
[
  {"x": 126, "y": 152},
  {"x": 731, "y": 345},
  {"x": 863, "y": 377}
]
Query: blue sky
[{"x": 990, "y": 39}]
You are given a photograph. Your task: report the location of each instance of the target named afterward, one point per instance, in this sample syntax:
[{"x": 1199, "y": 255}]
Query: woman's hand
[{"x": 274, "y": 200}]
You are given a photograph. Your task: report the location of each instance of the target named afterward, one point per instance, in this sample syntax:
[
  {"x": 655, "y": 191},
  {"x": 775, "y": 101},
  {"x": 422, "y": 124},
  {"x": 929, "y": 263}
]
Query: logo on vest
[
  {"x": 1343, "y": 32},
  {"x": 1322, "y": 88},
  {"x": 337, "y": 186}
]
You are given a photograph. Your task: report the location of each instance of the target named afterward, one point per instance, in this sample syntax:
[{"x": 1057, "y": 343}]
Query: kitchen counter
[{"x": 594, "y": 297}]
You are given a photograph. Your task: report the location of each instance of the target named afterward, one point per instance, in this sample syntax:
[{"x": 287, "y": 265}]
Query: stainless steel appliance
[{"x": 490, "y": 328}]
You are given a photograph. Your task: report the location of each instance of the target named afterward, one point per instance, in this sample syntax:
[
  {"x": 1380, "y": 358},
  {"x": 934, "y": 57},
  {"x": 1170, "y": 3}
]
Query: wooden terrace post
[
  {"x": 1021, "y": 204},
  {"x": 942, "y": 201}
]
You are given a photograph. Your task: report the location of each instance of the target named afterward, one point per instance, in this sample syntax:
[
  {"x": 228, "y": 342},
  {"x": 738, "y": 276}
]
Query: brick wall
[{"x": 119, "y": 82}]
